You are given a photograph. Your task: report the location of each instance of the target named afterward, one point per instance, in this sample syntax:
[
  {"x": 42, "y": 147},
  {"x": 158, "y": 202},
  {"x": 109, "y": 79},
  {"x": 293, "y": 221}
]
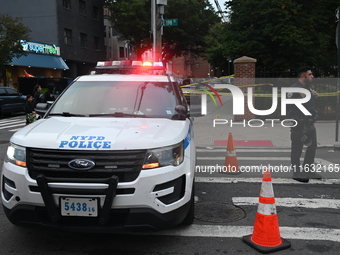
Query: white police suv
[{"x": 114, "y": 150}]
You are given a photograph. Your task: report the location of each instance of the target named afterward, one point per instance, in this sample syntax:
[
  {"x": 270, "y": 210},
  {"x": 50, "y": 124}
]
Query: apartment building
[{"x": 75, "y": 27}]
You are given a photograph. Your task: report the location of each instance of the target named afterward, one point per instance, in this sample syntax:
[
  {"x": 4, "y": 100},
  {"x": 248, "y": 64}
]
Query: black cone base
[{"x": 265, "y": 249}]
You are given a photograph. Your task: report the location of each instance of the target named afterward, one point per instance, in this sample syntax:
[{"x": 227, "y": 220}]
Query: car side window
[
  {"x": 3, "y": 92},
  {"x": 12, "y": 92}
]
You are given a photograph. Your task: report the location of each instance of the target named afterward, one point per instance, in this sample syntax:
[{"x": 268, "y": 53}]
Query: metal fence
[
  {"x": 326, "y": 102},
  {"x": 318, "y": 73}
]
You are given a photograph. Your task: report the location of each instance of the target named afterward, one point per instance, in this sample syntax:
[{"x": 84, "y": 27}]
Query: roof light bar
[
  {"x": 129, "y": 67},
  {"x": 108, "y": 63},
  {"x": 125, "y": 62},
  {"x": 128, "y": 63},
  {"x": 137, "y": 63},
  {"x": 147, "y": 63},
  {"x": 158, "y": 64},
  {"x": 100, "y": 63}
]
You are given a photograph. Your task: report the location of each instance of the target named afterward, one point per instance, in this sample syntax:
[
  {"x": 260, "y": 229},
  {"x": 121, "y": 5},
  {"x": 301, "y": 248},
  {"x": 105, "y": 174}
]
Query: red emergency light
[{"x": 129, "y": 67}]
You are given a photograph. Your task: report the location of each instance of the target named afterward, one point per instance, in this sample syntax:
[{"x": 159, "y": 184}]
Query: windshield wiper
[
  {"x": 67, "y": 114},
  {"x": 118, "y": 114}
]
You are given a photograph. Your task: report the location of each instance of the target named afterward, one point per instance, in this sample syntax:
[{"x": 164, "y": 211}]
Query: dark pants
[{"x": 297, "y": 146}]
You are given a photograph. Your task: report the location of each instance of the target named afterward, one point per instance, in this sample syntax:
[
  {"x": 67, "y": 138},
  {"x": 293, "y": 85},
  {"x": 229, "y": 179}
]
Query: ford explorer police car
[{"x": 115, "y": 150}]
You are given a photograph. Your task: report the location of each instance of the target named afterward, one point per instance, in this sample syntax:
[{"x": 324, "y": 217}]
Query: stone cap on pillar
[{"x": 245, "y": 59}]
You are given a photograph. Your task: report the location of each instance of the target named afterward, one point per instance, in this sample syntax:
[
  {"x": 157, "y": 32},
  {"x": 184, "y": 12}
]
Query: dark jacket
[
  {"x": 310, "y": 105},
  {"x": 38, "y": 98},
  {"x": 29, "y": 107},
  {"x": 48, "y": 96}
]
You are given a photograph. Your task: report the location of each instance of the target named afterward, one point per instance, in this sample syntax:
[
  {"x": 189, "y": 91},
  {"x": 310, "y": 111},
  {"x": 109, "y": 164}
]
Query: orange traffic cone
[
  {"x": 266, "y": 233},
  {"x": 230, "y": 163}
]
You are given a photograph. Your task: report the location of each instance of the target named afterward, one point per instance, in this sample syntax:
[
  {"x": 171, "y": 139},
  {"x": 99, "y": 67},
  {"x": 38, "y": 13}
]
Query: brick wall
[
  {"x": 244, "y": 71},
  {"x": 190, "y": 66}
]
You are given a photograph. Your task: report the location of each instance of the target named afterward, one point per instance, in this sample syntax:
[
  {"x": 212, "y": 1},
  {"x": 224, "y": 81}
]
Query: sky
[{"x": 221, "y": 2}]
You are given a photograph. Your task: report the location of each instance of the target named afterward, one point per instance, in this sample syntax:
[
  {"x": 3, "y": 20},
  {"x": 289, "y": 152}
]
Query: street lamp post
[{"x": 157, "y": 11}]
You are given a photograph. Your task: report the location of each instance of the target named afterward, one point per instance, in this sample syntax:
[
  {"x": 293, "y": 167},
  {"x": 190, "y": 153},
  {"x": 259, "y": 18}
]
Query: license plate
[{"x": 74, "y": 206}]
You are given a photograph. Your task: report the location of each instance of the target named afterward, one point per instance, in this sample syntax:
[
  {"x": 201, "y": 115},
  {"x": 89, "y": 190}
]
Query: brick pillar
[{"x": 244, "y": 74}]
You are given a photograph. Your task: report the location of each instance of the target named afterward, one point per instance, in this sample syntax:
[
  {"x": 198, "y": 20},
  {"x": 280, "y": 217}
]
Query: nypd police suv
[{"x": 115, "y": 150}]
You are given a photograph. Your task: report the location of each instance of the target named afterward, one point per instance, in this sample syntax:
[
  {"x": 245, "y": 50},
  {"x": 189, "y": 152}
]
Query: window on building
[
  {"x": 68, "y": 36},
  {"x": 96, "y": 43},
  {"x": 95, "y": 13},
  {"x": 121, "y": 52},
  {"x": 82, "y": 7},
  {"x": 104, "y": 31},
  {"x": 67, "y": 4},
  {"x": 83, "y": 40}
]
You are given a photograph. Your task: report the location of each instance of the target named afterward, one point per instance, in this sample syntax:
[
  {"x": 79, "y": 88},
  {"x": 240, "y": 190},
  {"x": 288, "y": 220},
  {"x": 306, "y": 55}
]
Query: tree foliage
[
  {"x": 280, "y": 34},
  {"x": 12, "y": 31},
  {"x": 132, "y": 18}
]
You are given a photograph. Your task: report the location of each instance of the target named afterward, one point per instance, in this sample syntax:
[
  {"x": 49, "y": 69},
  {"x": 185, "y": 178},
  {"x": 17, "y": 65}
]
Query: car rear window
[
  {"x": 3, "y": 92},
  {"x": 12, "y": 92}
]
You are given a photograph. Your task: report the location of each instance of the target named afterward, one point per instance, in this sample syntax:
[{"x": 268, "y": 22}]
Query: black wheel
[
  {"x": 14, "y": 222},
  {"x": 189, "y": 219}
]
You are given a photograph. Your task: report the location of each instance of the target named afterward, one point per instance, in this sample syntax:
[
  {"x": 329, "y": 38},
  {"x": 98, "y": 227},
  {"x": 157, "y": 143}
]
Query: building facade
[
  {"x": 191, "y": 66},
  {"x": 116, "y": 46},
  {"x": 75, "y": 26}
]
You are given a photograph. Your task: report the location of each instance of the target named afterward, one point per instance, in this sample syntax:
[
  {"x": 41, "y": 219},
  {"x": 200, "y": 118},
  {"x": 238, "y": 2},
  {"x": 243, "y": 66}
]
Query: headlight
[
  {"x": 166, "y": 156},
  {"x": 16, "y": 155}
]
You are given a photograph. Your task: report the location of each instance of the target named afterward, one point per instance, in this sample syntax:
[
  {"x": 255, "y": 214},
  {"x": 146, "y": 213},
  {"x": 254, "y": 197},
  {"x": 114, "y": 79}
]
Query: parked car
[{"x": 11, "y": 101}]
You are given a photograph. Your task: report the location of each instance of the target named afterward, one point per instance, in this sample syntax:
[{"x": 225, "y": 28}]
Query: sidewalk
[{"x": 272, "y": 133}]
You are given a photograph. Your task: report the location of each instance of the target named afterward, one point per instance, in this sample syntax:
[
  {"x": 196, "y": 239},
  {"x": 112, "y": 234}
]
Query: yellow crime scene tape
[
  {"x": 200, "y": 92},
  {"x": 331, "y": 94},
  {"x": 221, "y": 78}
]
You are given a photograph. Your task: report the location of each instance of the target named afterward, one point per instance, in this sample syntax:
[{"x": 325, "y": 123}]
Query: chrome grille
[{"x": 54, "y": 163}]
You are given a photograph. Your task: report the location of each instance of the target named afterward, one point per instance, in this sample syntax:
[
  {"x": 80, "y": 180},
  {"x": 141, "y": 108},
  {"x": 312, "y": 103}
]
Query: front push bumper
[{"x": 109, "y": 218}]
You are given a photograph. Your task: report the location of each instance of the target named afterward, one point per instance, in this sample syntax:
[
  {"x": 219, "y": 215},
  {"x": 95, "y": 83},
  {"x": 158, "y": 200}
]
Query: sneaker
[
  {"x": 300, "y": 177},
  {"x": 313, "y": 175}
]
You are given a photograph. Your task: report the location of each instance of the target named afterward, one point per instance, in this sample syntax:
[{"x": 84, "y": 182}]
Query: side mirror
[
  {"x": 181, "y": 110},
  {"x": 41, "y": 108},
  {"x": 181, "y": 113}
]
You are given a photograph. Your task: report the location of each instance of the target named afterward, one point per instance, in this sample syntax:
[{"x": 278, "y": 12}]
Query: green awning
[{"x": 40, "y": 60}]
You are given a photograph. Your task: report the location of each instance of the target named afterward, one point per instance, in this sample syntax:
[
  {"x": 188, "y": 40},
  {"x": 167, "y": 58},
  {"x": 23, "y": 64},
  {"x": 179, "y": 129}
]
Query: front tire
[
  {"x": 189, "y": 219},
  {"x": 7, "y": 213}
]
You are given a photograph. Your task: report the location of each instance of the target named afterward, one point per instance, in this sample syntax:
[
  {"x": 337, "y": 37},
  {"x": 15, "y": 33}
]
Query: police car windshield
[{"x": 118, "y": 99}]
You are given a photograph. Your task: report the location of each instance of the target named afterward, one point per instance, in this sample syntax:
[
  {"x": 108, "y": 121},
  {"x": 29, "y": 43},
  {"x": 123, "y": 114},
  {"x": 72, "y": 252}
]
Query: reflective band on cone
[
  {"x": 230, "y": 163},
  {"x": 231, "y": 153},
  {"x": 267, "y": 200},
  {"x": 266, "y": 233}
]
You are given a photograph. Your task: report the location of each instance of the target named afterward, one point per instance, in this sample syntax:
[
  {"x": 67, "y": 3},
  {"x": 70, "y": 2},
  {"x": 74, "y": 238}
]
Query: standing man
[{"x": 304, "y": 133}]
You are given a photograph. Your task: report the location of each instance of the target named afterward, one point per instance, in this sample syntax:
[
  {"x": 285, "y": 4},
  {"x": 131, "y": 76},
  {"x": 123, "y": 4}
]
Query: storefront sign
[{"x": 40, "y": 47}]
